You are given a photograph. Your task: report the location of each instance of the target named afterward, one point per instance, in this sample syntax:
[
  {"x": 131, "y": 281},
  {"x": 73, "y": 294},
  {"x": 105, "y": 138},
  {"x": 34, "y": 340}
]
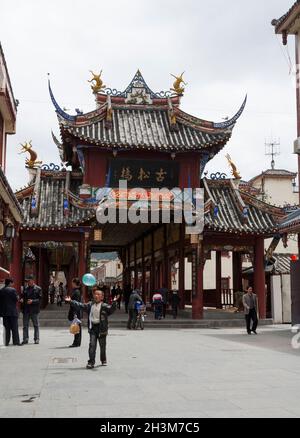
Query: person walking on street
[
  {"x": 61, "y": 293},
  {"x": 157, "y": 301},
  {"x": 113, "y": 292},
  {"x": 9, "y": 312},
  {"x": 30, "y": 299},
  {"x": 164, "y": 293},
  {"x": 134, "y": 298},
  {"x": 250, "y": 308},
  {"x": 98, "y": 313},
  {"x": 75, "y": 296},
  {"x": 127, "y": 293},
  {"x": 52, "y": 292},
  {"x": 175, "y": 300},
  {"x": 119, "y": 293}
]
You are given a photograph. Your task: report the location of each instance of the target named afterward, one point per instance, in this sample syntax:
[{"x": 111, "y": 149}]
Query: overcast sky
[{"x": 227, "y": 49}]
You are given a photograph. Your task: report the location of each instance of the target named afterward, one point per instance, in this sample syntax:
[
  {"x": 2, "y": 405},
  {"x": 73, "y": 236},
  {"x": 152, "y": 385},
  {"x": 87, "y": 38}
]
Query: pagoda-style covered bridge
[{"x": 144, "y": 139}]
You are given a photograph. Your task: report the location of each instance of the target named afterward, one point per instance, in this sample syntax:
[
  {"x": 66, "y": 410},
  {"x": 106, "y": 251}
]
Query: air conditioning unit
[{"x": 297, "y": 146}]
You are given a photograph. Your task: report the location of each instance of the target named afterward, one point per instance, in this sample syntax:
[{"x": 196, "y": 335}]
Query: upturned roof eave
[{"x": 283, "y": 24}]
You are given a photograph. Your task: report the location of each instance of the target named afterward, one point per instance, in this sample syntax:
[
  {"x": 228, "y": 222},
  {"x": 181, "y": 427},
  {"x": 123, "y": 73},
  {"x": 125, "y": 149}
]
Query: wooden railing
[{"x": 227, "y": 298}]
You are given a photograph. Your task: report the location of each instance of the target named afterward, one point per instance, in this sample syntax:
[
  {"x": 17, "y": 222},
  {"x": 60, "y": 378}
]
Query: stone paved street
[{"x": 155, "y": 373}]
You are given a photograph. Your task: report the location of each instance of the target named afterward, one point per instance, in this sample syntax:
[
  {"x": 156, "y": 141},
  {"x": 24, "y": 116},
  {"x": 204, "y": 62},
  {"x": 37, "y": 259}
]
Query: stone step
[
  {"x": 211, "y": 315},
  {"x": 164, "y": 324}
]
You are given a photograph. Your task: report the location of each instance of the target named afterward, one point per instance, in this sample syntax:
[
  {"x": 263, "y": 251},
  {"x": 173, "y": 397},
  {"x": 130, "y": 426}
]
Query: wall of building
[
  {"x": 276, "y": 297},
  {"x": 2, "y": 142},
  {"x": 286, "y": 299},
  {"x": 97, "y": 165},
  {"x": 210, "y": 271},
  {"x": 108, "y": 269},
  {"x": 278, "y": 191}
]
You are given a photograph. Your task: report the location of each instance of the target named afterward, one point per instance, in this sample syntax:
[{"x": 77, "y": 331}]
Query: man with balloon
[{"x": 98, "y": 312}]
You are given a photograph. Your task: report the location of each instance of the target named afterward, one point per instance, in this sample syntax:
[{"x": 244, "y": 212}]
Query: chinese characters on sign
[{"x": 144, "y": 174}]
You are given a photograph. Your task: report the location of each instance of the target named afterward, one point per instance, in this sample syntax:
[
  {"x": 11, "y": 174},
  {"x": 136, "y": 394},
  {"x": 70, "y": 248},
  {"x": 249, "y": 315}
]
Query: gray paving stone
[{"x": 155, "y": 373}]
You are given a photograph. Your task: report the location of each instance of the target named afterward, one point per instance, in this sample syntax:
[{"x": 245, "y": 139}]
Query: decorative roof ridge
[
  {"x": 238, "y": 197},
  {"x": 138, "y": 79},
  {"x": 210, "y": 195},
  {"x": 231, "y": 122},
  {"x": 79, "y": 203},
  {"x": 206, "y": 126},
  {"x": 35, "y": 200},
  {"x": 227, "y": 125},
  {"x": 293, "y": 214},
  {"x": 58, "y": 109},
  {"x": 29, "y": 186},
  {"x": 272, "y": 209},
  {"x": 278, "y": 22},
  {"x": 86, "y": 118}
]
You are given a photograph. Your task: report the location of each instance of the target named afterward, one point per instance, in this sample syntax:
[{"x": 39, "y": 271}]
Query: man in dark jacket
[
  {"x": 75, "y": 296},
  {"x": 98, "y": 313},
  {"x": 30, "y": 299},
  {"x": 175, "y": 300},
  {"x": 9, "y": 300},
  {"x": 134, "y": 298},
  {"x": 119, "y": 293},
  {"x": 250, "y": 306},
  {"x": 127, "y": 293}
]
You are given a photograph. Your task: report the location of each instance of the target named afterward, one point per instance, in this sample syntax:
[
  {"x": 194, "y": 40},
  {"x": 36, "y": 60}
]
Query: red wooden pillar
[
  {"x": 298, "y": 113},
  {"x": 219, "y": 279},
  {"x": 166, "y": 269},
  {"x": 124, "y": 263},
  {"x": 182, "y": 266},
  {"x": 82, "y": 265},
  {"x": 71, "y": 274},
  {"x": 237, "y": 272},
  {"x": 197, "y": 281},
  {"x": 152, "y": 270},
  {"x": 16, "y": 266},
  {"x": 43, "y": 275},
  {"x": 259, "y": 276},
  {"x": 143, "y": 272},
  {"x": 136, "y": 271},
  {"x": 81, "y": 260}
]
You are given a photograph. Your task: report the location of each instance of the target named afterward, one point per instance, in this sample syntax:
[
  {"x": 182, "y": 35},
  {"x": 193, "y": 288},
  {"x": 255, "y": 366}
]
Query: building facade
[
  {"x": 289, "y": 24},
  {"x": 10, "y": 211},
  {"x": 144, "y": 140}
]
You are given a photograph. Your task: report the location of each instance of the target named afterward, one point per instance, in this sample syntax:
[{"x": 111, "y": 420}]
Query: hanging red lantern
[{"x": 294, "y": 258}]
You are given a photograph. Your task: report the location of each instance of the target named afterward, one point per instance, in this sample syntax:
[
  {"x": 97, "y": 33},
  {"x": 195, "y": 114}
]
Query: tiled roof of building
[
  {"x": 230, "y": 210},
  {"x": 282, "y": 264},
  {"x": 49, "y": 205},
  {"x": 291, "y": 223},
  {"x": 275, "y": 173},
  {"x": 139, "y": 128},
  {"x": 280, "y": 21},
  {"x": 141, "y": 119},
  {"x": 53, "y": 203}
]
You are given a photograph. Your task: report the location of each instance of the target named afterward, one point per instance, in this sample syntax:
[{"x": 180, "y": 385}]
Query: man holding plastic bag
[
  {"x": 98, "y": 313},
  {"x": 74, "y": 316}
]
